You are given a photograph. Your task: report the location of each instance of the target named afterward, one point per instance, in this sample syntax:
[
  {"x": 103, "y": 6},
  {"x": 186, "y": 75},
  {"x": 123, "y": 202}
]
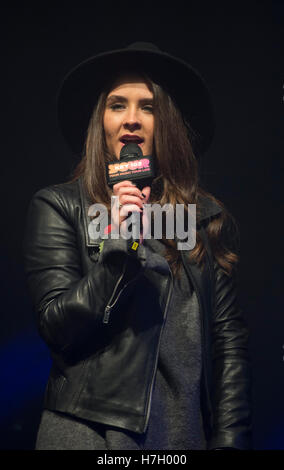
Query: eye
[
  {"x": 149, "y": 108},
  {"x": 116, "y": 106}
]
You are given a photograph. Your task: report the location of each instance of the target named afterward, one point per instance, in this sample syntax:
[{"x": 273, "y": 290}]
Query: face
[{"x": 128, "y": 115}]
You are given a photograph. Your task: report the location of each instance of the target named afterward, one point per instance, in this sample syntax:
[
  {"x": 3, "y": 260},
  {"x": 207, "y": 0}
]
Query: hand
[{"x": 130, "y": 199}]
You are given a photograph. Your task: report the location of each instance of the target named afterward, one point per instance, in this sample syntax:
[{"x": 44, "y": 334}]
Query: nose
[{"x": 131, "y": 120}]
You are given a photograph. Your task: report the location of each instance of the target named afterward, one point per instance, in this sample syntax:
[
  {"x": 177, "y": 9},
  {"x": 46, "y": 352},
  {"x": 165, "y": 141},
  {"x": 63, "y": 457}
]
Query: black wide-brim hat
[{"x": 82, "y": 86}]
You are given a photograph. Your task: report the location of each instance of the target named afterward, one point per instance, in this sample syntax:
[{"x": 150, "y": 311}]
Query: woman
[{"x": 149, "y": 347}]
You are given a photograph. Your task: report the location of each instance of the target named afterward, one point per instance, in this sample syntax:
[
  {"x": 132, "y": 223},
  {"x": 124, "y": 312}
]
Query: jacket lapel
[{"x": 85, "y": 204}]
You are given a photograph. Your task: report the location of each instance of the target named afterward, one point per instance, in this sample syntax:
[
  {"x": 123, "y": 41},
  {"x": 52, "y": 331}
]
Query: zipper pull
[{"x": 107, "y": 314}]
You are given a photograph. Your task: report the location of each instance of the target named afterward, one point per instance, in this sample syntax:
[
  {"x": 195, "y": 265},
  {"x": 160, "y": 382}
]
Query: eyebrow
[{"x": 124, "y": 100}]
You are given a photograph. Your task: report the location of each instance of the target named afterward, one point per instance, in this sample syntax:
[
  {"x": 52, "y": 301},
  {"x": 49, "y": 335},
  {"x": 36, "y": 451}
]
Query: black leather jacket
[{"x": 105, "y": 353}]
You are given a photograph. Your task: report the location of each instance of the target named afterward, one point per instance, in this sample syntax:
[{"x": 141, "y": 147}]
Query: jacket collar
[
  {"x": 85, "y": 204},
  {"x": 207, "y": 208}
]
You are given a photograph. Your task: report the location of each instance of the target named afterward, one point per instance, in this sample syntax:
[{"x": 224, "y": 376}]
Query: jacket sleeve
[
  {"x": 231, "y": 369},
  {"x": 69, "y": 306}
]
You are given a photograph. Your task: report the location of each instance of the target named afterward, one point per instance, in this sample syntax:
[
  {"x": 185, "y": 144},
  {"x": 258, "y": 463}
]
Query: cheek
[
  {"x": 152, "y": 137},
  {"x": 110, "y": 126},
  {"x": 151, "y": 131},
  {"x": 106, "y": 124},
  {"x": 151, "y": 127}
]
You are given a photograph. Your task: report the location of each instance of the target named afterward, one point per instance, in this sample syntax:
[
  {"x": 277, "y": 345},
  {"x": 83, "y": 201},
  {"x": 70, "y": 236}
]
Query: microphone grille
[{"x": 130, "y": 150}]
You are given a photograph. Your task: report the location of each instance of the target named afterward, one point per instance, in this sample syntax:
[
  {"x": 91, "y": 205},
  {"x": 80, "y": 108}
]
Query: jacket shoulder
[
  {"x": 66, "y": 195},
  {"x": 62, "y": 199},
  {"x": 227, "y": 233},
  {"x": 60, "y": 190},
  {"x": 207, "y": 207}
]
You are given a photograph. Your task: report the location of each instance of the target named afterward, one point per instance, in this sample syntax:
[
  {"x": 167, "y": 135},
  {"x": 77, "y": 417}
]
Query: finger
[
  {"x": 128, "y": 208},
  {"x": 130, "y": 190},
  {"x": 129, "y": 199},
  {"x": 121, "y": 184},
  {"x": 146, "y": 191}
]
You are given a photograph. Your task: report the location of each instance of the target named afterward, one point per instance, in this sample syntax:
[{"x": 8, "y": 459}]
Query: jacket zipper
[
  {"x": 111, "y": 303},
  {"x": 157, "y": 354}
]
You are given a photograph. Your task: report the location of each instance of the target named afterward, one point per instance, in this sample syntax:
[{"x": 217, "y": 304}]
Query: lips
[{"x": 131, "y": 138}]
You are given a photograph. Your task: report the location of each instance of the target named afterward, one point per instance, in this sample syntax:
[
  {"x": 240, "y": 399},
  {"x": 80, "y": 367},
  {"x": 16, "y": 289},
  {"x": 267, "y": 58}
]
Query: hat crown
[
  {"x": 148, "y": 46},
  {"x": 81, "y": 88}
]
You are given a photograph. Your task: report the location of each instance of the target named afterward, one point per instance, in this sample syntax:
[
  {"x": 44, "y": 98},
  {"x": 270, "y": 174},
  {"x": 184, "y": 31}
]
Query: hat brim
[{"x": 80, "y": 90}]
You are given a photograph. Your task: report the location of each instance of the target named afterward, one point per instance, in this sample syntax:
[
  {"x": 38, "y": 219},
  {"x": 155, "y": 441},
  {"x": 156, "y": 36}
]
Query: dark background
[{"x": 238, "y": 49}]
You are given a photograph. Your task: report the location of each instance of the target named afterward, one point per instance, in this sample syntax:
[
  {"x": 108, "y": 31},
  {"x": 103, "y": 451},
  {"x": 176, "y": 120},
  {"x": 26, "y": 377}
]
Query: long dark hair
[{"x": 176, "y": 181}]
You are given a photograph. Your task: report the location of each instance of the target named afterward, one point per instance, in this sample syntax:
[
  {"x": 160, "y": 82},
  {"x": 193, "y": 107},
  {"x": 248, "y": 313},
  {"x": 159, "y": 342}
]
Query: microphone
[
  {"x": 132, "y": 166},
  {"x": 135, "y": 167}
]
